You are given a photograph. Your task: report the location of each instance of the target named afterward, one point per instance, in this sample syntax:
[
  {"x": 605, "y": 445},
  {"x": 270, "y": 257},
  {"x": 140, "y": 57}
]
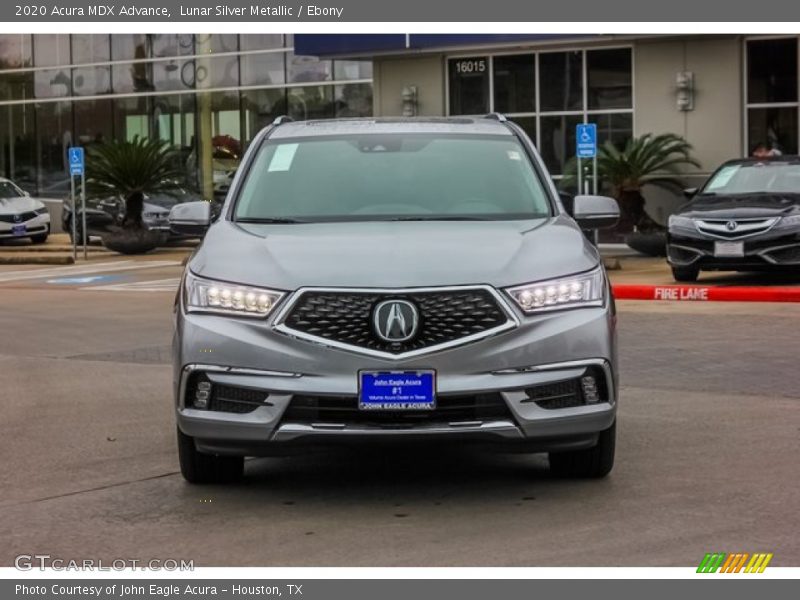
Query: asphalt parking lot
[{"x": 707, "y": 459}]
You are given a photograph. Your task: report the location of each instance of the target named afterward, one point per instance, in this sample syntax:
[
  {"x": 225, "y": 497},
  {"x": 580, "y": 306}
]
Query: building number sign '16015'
[{"x": 471, "y": 66}]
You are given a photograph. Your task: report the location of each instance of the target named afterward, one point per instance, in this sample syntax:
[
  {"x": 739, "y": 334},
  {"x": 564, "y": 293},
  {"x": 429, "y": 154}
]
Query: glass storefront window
[
  {"x": 609, "y": 79},
  {"x": 132, "y": 77},
  {"x": 54, "y": 124},
  {"x": 344, "y": 70},
  {"x": 131, "y": 118},
  {"x": 772, "y": 70},
  {"x": 93, "y": 121},
  {"x": 172, "y": 44},
  {"x": 314, "y": 102},
  {"x": 469, "y": 85},
  {"x": 16, "y": 86},
  {"x": 50, "y": 50},
  {"x": 15, "y": 51},
  {"x": 515, "y": 83},
  {"x": 160, "y": 85},
  {"x": 91, "y": 81},
  {"x": 261, "y": 41},
  {"x": 558, "y": 140},
  {"x": 17, "y": 139},
  {"x": 55, "y": 83},
  {"x": 266, "y": 68},
  {"x": 775, "y": 127},
  {"x": 90, "y": 48},
  {"x": 302, "y": 69},
  {"x": 353, "y": 100},
  {"x": 614, "y": 127},
  {"x": 259, "y": 109},
  {"x": 125, "y": 46},
  {"x": 528, "y": 125},
  {"x": 561, "y": 74}
]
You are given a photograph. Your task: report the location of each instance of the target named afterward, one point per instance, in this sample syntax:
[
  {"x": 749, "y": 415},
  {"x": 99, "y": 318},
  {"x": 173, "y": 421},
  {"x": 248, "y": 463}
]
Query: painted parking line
[
  {"x": 54, "y": 273},
  {"x": 157, "y": 285},
  {"x": 701, "y": 293}
]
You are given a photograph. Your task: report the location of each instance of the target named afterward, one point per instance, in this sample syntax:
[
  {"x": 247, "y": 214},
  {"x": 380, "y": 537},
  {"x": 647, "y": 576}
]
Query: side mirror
[
  {"x": 190, "y": 218},
  {"x": 26, "y": 193},
  {"x": 690, "y": 192},
  {"x": 595, "y": 212}
]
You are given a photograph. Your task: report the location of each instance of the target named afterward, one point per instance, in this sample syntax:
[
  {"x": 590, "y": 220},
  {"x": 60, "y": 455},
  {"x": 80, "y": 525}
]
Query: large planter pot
[
  {"x": 133, "y": 241},
  {"x": 652, "y": 243}
]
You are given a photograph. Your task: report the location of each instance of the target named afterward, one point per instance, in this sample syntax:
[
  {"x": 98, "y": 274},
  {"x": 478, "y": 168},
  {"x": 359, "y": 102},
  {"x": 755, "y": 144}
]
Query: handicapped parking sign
[
  {"x": 76, "y": 161},
  {"x": 586, "y": 140}
]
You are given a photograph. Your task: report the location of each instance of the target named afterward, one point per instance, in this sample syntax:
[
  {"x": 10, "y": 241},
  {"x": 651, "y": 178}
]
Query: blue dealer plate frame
[
  {"x": 397, "y": 390},
  {"x": 19, "y": 230}
]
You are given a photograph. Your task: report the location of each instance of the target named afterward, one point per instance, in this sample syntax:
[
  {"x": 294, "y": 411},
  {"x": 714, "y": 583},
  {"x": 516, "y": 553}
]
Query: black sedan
[
  {"x": 104, "y": 214},
  {"x": 745, "y": 218}
]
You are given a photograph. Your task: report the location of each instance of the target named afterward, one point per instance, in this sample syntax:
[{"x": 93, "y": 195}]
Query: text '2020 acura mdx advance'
[{"x": 394, "y": 280}]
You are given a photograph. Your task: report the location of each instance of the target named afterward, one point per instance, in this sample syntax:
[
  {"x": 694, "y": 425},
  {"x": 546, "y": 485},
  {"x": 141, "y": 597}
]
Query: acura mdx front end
[{"x": 400, "y": 281}]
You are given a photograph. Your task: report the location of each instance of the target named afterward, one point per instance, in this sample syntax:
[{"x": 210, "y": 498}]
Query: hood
[
  {"x": 393, "y": 254},
  {"x": 738, "y": 206},
  {"x": 10, "y": 206}
]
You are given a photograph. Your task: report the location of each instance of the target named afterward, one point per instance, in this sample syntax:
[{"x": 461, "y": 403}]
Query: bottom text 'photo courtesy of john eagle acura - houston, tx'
[{"x": 385, "y": 280}]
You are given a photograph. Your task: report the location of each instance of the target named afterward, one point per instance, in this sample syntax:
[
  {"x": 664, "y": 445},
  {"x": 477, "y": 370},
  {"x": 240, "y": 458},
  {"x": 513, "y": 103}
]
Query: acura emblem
[
  {"x": 17, "y": 218},
  {"x": 395, "y": 320},
  {"x": 731, "y": 225}
]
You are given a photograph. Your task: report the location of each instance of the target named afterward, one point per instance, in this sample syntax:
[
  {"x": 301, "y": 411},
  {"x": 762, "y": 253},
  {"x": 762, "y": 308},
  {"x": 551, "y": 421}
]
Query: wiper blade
[
  {"x": 442, "y": 218},
  {"x": 280, "y": 220}
]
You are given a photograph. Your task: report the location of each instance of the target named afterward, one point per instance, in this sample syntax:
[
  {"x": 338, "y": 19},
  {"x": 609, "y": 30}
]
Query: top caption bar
[{"x": 466, "y": 11}]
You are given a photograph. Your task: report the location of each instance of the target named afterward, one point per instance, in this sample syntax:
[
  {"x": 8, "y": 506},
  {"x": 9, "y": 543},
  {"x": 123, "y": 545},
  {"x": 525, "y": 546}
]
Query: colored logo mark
[{"x": 739, "y": 562}]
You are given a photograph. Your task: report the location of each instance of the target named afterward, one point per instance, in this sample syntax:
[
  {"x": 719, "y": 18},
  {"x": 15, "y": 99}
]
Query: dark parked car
[
  {"x": 102, "y": 214},
  {"x": 745, "y": 218}
]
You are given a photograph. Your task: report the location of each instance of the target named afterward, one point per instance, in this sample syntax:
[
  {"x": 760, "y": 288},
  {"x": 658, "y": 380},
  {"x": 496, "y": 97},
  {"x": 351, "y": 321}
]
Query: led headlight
[
  {"x": 586, "y": 289},
  {"x": 205, "y": 295},
  {"x": 681, "y": 222}
]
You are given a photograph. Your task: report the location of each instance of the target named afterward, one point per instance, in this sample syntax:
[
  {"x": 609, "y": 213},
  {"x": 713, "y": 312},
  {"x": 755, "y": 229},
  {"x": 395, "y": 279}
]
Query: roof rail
[
  {"x": 282, "y": 119},
  {"x": 495, "y": 116}
]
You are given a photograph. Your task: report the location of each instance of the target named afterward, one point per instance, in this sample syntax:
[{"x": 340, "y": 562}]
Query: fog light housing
[
  {"x": 590, "y": 393},
  {"x": 202, "y": 394}
]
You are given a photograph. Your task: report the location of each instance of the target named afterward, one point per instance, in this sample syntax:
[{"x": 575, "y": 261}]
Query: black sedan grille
[
  {"x": 343, "y": 410},
  {"x": 444, "y": 316},
  {"x": 18, "y": 218}
]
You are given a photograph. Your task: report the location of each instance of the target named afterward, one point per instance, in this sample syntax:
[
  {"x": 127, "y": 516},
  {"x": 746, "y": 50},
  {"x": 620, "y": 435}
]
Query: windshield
[
  {"x": 386, "y": 177},
  {"x": 752, "y": 178},
  {"x": 9, "y": 190}
]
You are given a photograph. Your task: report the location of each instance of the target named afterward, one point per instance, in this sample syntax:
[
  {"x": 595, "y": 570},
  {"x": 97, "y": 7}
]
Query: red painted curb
[{"x": 694, "y": 293}]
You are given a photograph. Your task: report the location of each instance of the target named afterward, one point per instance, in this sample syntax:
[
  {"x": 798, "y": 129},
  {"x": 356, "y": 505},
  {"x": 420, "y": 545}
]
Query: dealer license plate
[
  {"x": 19, "y": 230},
  {"x": 728, "y": 249},
  {"x": 397, "y": 390}
]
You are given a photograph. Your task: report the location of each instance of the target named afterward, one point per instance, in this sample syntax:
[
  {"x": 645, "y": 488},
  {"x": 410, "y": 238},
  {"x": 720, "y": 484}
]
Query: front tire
[
  {"x": 200, "y": 468},
  {"x": 39, "y": 239},
  {"x": 592, "y": 463},
  {"x": 685, "y": 274}
]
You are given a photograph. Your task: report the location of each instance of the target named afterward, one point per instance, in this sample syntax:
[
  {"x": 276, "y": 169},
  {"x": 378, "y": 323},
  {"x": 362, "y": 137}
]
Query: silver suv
[{"x": 403, "y": 280}]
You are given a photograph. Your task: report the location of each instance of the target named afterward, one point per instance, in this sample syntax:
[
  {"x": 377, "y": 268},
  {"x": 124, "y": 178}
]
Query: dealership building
[{"x": 208, "y": 94}]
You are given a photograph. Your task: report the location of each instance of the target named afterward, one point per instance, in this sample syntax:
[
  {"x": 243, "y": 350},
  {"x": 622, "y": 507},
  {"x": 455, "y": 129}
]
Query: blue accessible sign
[
  {"x": 586, "y": 140},
  {"x": 76, "y": 161}
]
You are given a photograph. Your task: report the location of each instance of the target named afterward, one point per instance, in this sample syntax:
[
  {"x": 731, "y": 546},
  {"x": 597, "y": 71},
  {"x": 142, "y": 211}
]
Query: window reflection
[
  {"x": 308, "y": 68},
  {"x": 90, "y": 48},
  {"x": 89, "y": 81},
  {"x": 15, "y": 51},
  {"x": 51, "y": 50}
]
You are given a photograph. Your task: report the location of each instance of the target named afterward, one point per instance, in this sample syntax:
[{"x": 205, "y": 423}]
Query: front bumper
[
  {"x": 36, "y": 226},
  {"x": 247, "y": 353},
  {"x": 772, "y": 250}
]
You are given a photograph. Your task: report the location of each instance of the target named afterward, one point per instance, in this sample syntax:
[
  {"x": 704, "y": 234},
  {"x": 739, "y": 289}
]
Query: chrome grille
[
  {"x": 344, "y": 318},
  {"x": 26, "y": 216},
  {"x": 731, "y": 229}
]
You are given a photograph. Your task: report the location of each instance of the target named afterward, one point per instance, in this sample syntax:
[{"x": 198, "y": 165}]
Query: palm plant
[
  {"x": 649, "y": 159},
  {"x": 131, "y": 169}
]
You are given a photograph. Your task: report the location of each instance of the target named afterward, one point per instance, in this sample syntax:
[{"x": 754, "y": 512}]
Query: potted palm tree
[
  {"x": 130, "y": 170},
  {"x": 648, "y": 160}
]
